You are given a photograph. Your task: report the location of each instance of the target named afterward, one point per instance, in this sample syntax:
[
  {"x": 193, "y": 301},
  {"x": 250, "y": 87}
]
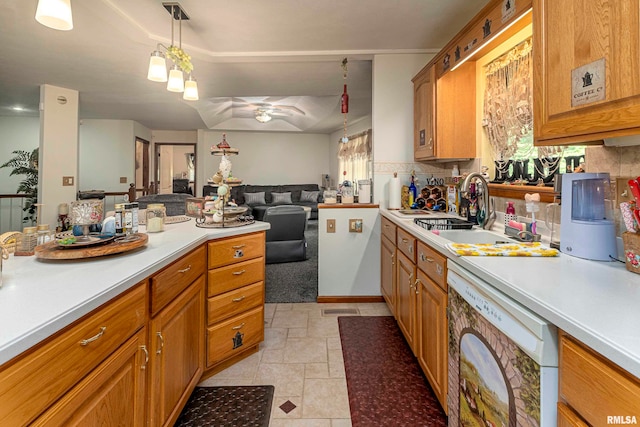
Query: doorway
[
  {"x": 142, "y": 167},
  {"x": 175, "y": 168}
]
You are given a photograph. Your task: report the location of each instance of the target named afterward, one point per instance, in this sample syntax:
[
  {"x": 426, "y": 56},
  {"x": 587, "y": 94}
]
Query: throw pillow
[
  {"x": 254, "y": 198},
  {"x": 282, "y": 198},
  {"x": 309, "y": 196}
]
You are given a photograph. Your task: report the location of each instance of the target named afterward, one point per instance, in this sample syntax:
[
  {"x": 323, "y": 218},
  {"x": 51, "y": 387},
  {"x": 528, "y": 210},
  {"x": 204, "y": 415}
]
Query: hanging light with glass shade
[
  {"x": 55, "y": 14},
  {"x": 157, "y": 71},
  {"x": 344, "y": 101}
]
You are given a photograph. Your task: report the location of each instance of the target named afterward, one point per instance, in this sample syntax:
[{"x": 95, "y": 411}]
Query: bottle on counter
[
  {"x": 510, "y": 214},
  {"x": 119, "y": 217},
  {"x": 472, "y": 210},
  {"x": 155, "y": 217},
  {"x": 413, "y": 191},
  {"x": 135, "y": 220},
  {"x": 44, "y": 234},
  {"x": 127, "y": 219}
]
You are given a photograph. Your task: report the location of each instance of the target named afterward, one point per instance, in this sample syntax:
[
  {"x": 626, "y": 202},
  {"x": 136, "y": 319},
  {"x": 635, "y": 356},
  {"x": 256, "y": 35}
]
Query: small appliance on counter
[
  {"x": 364, "y": 191},
  {"x": 588, "y": 230}
]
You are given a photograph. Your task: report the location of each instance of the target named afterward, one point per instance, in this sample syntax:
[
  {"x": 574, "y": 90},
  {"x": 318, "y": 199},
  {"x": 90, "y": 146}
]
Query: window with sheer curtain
[{"x": 354, "y": 157}]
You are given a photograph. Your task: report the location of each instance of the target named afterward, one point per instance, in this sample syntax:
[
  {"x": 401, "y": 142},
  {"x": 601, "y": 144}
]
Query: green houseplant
[{"x": 26, "y": 163}]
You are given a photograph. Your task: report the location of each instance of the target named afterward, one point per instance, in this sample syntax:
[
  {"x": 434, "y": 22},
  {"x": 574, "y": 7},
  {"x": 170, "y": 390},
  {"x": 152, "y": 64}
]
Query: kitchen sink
[{"x": 474, "y": 236}]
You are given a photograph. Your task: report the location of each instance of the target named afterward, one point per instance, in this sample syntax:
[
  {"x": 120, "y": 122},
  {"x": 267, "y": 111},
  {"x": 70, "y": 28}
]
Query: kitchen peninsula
[{"x": 139, "y": 311}]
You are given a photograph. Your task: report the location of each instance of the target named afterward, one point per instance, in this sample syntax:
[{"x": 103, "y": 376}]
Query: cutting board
[{"x": 52, "y": 250}]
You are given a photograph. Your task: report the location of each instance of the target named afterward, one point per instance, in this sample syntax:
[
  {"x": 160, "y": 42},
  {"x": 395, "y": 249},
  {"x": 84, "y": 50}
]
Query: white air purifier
[
  {"x": 364, "y": 191},
  {"x": 588, "y": 230}
]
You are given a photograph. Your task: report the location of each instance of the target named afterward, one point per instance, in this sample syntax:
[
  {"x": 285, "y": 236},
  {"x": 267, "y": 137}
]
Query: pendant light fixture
[
  {"x": 344, "y": 101},
  {"x": 181, "y": 60},
  {"x": 55, "y": 14}
]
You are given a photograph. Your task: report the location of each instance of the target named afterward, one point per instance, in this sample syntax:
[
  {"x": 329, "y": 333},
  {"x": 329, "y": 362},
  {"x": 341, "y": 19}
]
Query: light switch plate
[
  {"x": 67, "y": 181},
  {"x": 331, "y": 226},
  {"x": 123, "y": 180}
]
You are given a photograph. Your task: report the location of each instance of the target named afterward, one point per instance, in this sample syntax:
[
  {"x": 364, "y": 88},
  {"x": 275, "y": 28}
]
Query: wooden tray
[{"x": 52, "y": 250}]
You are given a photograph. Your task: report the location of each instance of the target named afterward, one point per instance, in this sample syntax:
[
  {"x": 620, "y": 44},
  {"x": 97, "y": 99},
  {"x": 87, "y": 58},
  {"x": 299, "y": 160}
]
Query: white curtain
[{"x": 354, "y": 158}]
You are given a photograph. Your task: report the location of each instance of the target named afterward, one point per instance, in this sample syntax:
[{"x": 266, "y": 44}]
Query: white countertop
[
  {"x": 596, "y": 302},
  {"x": 40, "y": 297}
]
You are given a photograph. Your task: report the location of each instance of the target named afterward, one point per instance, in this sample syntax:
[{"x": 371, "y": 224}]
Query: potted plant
[{"x": 26, "y": 163}]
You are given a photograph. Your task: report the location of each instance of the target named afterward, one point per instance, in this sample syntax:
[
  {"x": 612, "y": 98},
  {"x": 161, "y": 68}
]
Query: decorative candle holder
[{"x": 86, "y": 213}]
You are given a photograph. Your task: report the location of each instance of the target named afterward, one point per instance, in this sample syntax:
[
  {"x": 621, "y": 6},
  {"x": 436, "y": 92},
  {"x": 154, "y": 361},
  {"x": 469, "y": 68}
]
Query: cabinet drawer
[
  {"x": 407, "y": 244},
  {"x": 33, "y": 382},
  {"x": 236, "y": 249},
  {"x": 233, "y": 336},
  {"x": 433, "y": 264},
  {"x": 235, "y": 276},
  {"x": 388, "y": 229},
  {"x": 234, "y": 302},
  {"x": 611, "y": 390},
  {"x": 175, "y": 278}
]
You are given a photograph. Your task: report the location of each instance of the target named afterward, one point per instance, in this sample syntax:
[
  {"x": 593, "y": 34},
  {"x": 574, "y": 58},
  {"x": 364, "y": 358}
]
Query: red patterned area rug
[
  {"x": 229, "y": 406},
  {"x": 385, "y": 383}
]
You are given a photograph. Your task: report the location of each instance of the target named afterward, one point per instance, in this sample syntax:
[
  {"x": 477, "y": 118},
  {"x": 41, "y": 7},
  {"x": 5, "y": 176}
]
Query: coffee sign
[{"x": 588, "y": 83}]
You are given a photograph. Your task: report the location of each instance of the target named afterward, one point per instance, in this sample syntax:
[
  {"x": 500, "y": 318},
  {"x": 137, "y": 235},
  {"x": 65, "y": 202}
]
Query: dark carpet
[
  {"x": 385, "y": 383},
  {"x": 295, "y": 281},
  {"x": 228, "y": 406}
]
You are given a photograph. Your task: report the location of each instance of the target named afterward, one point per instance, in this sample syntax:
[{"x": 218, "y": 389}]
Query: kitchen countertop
[
  {"x": 596, "y": 302},
  {"x": 40, "y": 297}
]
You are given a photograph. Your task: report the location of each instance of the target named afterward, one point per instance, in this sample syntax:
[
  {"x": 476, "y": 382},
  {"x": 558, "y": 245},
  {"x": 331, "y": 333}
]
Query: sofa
[{"x": 249, "y": 195}]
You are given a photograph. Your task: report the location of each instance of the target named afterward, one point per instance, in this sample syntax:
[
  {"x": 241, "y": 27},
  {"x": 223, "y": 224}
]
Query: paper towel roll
[{"x": 395, "y": 193}]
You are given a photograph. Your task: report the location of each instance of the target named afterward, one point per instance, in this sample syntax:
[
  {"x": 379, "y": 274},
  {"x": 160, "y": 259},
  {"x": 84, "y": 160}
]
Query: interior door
[{"x": 165, "y": 173}]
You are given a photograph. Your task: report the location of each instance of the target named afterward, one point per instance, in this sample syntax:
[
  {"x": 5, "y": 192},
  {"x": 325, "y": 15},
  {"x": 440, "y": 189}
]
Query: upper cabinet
[
  {"x": 586, "y": 61},
  {"x": 445, "y": 89}
]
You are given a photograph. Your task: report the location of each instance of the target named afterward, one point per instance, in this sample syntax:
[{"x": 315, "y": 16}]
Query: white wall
[
  {"x": 352, "y": 129},
  {"x": 16, "y": 133},
  {"x": 349, "y": 263},
  {"x": 267, "y": 157}
]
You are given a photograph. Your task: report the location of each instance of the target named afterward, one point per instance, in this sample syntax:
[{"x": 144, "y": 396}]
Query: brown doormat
[
  {"x": 385, "y": 383},
  {"x": 228, "y": 406}
]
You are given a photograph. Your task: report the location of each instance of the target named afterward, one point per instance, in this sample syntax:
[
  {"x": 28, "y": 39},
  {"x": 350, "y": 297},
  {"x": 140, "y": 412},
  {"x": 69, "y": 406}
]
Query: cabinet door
[
  {"x": 405, "y": 304},
  {"x": 388, "y": 273},
  {"x": 424, "y": 115},
  {"x": 112, "y": 394},
  {"x": 568, "y": 418},
  {"x": 177, "y": 354},
  {"x": 586, "y": 80},
  {"x": 431, "y": 336}
]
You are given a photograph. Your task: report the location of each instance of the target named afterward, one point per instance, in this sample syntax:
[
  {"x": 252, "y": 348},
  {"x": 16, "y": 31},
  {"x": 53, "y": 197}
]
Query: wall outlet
[
  {"x": 355, "y": 225},
  {"x": 67, "y": 181},
  {"x": 123, "y": 180},
  {"x": 331, "y": 226}
]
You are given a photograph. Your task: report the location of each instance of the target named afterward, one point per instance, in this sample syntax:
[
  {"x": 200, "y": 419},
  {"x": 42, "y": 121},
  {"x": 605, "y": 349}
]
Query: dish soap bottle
[
  {"x": 510, "y": 214},
  {"x": 413, "y": 191}
]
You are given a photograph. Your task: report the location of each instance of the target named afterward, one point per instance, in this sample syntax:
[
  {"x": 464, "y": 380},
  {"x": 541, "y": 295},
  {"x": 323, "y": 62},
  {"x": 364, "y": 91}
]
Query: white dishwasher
[{"x": 503, "y": 359}]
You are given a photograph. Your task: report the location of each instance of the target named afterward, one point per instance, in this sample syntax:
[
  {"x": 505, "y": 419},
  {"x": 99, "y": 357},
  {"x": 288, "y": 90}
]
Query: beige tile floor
[{"x": 302, "y": 357}]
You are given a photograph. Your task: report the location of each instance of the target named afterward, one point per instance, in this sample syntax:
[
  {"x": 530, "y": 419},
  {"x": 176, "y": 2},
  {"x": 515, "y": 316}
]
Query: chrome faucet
[{"x": 489, "y": 211}]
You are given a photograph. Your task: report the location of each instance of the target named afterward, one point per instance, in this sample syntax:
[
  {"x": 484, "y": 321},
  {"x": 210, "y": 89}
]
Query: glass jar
[
  {"x": 156, "y": 214},
  {"x": 28, "y": 241},
  {"x": 330, "y": 196},
  {"x": 44, "y": 234}
]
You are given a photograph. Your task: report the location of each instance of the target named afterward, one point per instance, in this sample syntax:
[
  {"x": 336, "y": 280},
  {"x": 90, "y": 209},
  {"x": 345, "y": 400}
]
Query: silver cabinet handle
[
  {"x": 404, "y": 240},
  {"x": 240, "y": 326},
  {"x": 237, "y": 273},
  {"x": 393, "y": 260},
  {"x": 146, "y": 356},
  {"x": 238, "y": 299},
  {"x": 411, "y": 248},
  {"x": 93, "y": 338},
  {"x": 439, "y": 269},
  {"x": 159, "y": 335},
  {"x": 238, "y": 246},
  {"x": 184, "y": 270}
]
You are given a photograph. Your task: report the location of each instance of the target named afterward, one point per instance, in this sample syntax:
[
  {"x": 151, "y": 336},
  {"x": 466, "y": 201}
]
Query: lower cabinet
[
  {"x": 406, "y": 302},
  {"x": 112, "y": 394},
  {"x": 388, "y": 273},
  {"x": 176, "y": 337}
]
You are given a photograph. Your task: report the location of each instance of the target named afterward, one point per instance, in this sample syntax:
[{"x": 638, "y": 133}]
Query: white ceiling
[{"x": 286, "y": 52}]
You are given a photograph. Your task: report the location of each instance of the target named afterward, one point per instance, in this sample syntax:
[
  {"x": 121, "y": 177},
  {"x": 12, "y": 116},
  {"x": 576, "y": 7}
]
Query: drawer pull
[
  {"x": 410, "y": 279},
  {"x": 240, "y": 326},
  {"x": 93, "y": 338},
  {"x": 238, "y": 299},
  {"x": 146, "y": 356},
  {"x": 238, "y": 246},
  {"x": 237, "y": 273},
  {"x": 393, "y": 261},
  {"x": 184, "y": 270},
  {"x": 425, "y": 258},
  {"x": 410, "y": 248},
  {"x": 416, "y": 286},
  {"x": 159, "y": 335},
  {"x": 405, "y": 240}
]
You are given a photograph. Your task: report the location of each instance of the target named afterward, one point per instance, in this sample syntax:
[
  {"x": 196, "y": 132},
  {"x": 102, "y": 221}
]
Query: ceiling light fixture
[
  {"x": 55, "y": 14},
  {"x": 181, "y": 60},
  {"x": 263, "y": 116}
]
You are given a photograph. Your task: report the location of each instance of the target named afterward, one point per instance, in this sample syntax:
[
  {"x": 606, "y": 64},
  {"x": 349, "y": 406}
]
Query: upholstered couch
[{"x": 274, "y": 195}]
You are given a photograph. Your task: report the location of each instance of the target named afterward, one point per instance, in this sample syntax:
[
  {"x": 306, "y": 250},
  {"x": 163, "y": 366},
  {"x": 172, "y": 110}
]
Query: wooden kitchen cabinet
[
  {"x": 431, "y": 323},
  {"x": 586, "y": 60},
  {"x": 176, "y": 339},
  {"x": 444, "y": 114},
  {"x": 235, "y": 292},
  {"x": 112, "y": 394},
  {"x": 388, "y": 263},
  {"x": 591, "y": 388},
  {"x": 48, "y": 373},
  {"x": 406, "y": 302}
]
